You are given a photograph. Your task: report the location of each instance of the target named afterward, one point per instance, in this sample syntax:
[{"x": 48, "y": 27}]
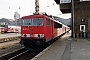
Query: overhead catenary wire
[{"x": 10, "y": 4}]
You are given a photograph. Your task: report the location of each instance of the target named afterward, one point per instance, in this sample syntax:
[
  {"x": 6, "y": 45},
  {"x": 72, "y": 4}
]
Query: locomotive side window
[
  {"x": 48, "y": 22},
  {"x": 33, "y": 22},
  {"x": 57, "y": 25}
]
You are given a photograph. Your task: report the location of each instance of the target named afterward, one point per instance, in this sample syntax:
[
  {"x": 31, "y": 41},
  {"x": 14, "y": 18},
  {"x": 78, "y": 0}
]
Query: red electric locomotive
[{"x": 36, "y": 30}]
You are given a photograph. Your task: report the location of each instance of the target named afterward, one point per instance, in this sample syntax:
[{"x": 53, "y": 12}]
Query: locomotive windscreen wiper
[
  {"x": 40, "y": 23},
  {"x": 29, "y": 23}
]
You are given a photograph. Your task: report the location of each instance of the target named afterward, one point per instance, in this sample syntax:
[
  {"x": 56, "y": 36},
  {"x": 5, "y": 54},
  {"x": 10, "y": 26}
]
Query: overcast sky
[{"x": 27, "y": 7}]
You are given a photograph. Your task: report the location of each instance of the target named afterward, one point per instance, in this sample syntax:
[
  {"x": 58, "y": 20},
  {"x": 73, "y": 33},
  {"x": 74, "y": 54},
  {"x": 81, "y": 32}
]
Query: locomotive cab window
[
  {"x": 48, "y": 22},
  {"x": 38, "y": 21},
  {"x": 33, "y": 22},
  {"x": 26, "y": 22}
]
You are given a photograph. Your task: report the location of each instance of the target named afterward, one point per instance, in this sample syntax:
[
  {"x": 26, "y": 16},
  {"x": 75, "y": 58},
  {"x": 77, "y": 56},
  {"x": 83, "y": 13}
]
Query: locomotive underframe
[{"x": 32, "y": 42}]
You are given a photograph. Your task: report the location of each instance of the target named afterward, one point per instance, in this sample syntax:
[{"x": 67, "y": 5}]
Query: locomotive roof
[
  {"x": 41, "y": 16},
  {"x": 32, "y": 16}
]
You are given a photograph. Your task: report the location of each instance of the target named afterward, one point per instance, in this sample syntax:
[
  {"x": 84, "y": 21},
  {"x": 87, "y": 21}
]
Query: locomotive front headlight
[
  {"x": 25, "y": 35},
  {"x": 35, "y": 35},
  {"x": 41, "y": 35},
  {"x": 22, "y": 35}
]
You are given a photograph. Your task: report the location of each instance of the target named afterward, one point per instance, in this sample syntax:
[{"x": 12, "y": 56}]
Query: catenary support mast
[{"x": 36, "y": 6}]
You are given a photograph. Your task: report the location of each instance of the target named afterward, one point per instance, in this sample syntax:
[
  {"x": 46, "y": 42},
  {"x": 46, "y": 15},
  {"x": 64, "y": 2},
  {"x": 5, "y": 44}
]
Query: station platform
[
  {"x": 13, "y": 38},
  {"x": 9, "y": 37},
  {"x": 66, "y": 48}
]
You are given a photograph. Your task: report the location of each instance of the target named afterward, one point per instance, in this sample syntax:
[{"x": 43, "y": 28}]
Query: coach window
[
  {"x": 57, "y": 25},
  {"x": 48, "y": 22}
]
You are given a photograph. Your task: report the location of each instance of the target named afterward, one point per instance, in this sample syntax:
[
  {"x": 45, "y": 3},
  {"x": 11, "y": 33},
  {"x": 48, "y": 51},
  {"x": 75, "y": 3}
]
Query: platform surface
[
  {"x": 9, "y": 35},
  {"x": 67, "y": 48}
]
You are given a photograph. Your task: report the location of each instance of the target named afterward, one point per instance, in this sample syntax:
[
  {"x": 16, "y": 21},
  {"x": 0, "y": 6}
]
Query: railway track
[
  {"x": 10, "y": 54},
  {"x": 20, "y": 54}
]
